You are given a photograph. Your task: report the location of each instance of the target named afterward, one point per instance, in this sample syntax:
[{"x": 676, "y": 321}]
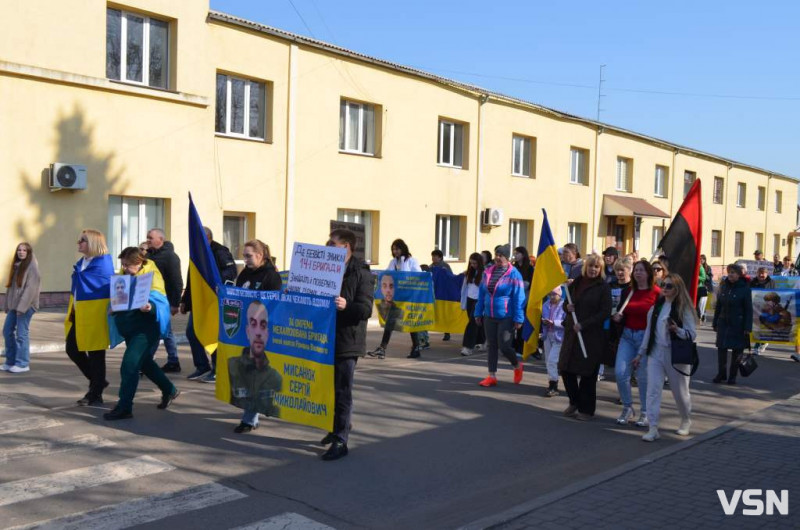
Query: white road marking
[
  {"x": 84, "y": 441},
  {"x": 142, "y": 510},
  {"x": 27, "y": 424},
  {"x": 288, "y": 520},
  {"x": 87, "y": 477}
]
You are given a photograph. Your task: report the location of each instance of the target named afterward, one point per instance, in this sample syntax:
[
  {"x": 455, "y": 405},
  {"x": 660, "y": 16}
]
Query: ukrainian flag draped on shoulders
[
  {"x": 547, "y": 275},
  {"x": 204, "y": 278},
  {"x": 449, "y": 316},
  {"x": 88, "y": 303}
]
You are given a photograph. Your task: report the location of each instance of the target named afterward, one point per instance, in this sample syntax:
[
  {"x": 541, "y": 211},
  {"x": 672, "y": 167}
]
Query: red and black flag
[{"x": 681, "y": 244}]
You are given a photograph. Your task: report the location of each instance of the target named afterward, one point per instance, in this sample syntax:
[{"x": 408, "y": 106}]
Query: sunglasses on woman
[
  {"x": 657, "y": 269},
  {"x": 668, "y": 286}
]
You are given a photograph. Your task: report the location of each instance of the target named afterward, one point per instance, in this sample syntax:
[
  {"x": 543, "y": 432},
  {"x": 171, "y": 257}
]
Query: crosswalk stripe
[
  {"x": 84, "y": 441},
  {"x": 295, "y": 521},
  {"x": 87, "y": 477},
  {"x": 27, "y": 424},
  {"x": 142, "y": 510}
]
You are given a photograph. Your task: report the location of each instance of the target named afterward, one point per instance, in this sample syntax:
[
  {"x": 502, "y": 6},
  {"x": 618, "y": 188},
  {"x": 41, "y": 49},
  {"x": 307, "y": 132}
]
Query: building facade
[{"x": 275, "y": 135}]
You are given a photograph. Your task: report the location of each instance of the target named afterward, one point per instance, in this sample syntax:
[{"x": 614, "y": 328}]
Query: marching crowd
[{"x": 626, "y": 313}]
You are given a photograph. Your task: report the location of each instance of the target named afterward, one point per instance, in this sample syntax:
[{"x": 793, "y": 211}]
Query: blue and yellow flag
[
  {"x": 88, "y": 303},
  {"x": 205, "y": 279},
  {"x": 449, "y": 317},
  {"x": 547, "y": 275}
]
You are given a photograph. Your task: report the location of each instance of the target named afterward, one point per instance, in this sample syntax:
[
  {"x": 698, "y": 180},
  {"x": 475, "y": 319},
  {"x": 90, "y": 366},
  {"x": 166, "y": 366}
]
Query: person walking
[
  {"x": 761, "y": 281},
  {"x": 437, "y": 262},
  {"x": 86, "y": 324},
  {"x": 705, "y": 285},
  {"x": 21, "y": 302},
  {"x": 354, "y": 307},
  {"x": 470, "y": 290},
  {"x": 591, "y": 304},
  {"x": 672, "y": 316},
  {"x": 500, "y": 310},
  {"x": 610, "y": 256},
  {"x": 141, "y": 328},
  {"x": 659, "y": 271},
  {"x": 402, "y": 260},
  {"x": 553, "y": 336},
  {"x": 640, "y": 296},
  {"x": 162, "y": 253},
  {"x": 788, "y": 268},
  {"x": 571, "y": 260},
  {"x": 733, "y": 321}
]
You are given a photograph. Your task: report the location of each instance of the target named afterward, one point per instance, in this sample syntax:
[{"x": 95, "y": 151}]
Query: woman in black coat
[
  {"x": 591, "y": 303},
  {"x": 733, "y": 321}
]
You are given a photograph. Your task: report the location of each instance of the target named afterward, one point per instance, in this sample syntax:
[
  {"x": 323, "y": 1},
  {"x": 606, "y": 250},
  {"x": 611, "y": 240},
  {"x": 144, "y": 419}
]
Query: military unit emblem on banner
[{"x": 231, "y": 316}]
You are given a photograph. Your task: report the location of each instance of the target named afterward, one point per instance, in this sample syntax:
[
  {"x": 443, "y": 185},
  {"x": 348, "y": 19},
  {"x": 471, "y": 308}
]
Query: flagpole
[{"x": 575, "y": 321}]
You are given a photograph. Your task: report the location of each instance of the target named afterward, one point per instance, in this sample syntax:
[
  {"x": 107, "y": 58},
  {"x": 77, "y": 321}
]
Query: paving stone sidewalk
[{"x": 676, "y": 488}]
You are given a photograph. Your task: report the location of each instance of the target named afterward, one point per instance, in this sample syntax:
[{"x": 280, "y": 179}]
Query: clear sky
[{"x": 718, "y": 76}]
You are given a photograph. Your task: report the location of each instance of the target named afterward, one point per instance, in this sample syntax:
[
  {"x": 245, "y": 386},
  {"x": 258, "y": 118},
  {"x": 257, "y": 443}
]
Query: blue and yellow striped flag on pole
[
  {"x": 204, "y": 278},
  {"x": 547, "y": 275}
]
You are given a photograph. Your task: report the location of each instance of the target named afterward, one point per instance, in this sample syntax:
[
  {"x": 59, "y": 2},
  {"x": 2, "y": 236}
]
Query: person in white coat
[{"x": 673, "y": 315}]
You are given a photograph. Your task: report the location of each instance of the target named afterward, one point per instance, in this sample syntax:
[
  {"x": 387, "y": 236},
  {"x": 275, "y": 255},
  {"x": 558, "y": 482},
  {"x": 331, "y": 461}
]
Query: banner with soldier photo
[
  {"x": 775, "y": 316},
  {"x": 405, "y": 301},
  {"x": 275, "y": 354}
]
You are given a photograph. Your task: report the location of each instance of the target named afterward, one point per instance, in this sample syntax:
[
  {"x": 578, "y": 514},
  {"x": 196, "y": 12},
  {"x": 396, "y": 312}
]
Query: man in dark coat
[
  {"x": 169, "y": 265},
  {"x": 733, "y": 322},
  {"x": 354, "y": 307}
]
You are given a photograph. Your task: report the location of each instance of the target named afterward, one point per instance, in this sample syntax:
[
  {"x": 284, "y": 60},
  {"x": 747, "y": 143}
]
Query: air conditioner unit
[
  {"x": 67, "y": 177},
  {"x": 493, "y": 217}
]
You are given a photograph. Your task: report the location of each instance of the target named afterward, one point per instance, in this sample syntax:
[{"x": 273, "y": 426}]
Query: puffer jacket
[
  {"x": 351, "y": 322},
  {"x": 733, "y": 315},
  {"x": 508, "y": 299}
]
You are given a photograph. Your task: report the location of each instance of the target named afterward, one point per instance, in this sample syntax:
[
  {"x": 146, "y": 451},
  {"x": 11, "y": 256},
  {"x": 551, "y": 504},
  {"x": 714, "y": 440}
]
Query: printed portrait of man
[
  {"x": 120, "y": 292},
  {"x": 388, "y": 310},
  {"x": 253, "y": 381}
]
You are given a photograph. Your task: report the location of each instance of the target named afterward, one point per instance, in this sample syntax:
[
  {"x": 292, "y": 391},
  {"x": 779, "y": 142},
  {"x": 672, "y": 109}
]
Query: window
[
  {"x": 719, "y": 189},
  {"x": 688, "y": 179},
  {"x": 577, "y": 172},
  {"x": 237, "y": 229},
  {"x": 369, "y": 220},
  {"x": 575, "y": 234},
  {"x": 449, "y": 234},
  {"x": 624, "y": 171},
  {"x": 762, "y": 199},
  {"x": 519, "y": 233},
  {"x": 137, "y": 48},
  {"x": 356, "y": 127},
  {"x": 662, "y": 181},
  {"x": 778, "y": 201},
  {"x": 738, "y": 244},
  {"x": 776, "y": 244},
  {"x": 129, "y": 219},
  {"x": 716, "y": 243},
  {"x": 741, "y": 194},
  {"x": 241, "y": 107},
  {"x": 760, "y": 241},
  {"x": 658, "y": 235},
  {"x": 522, "y": 158},
  {"x": 451, "y": 144}
]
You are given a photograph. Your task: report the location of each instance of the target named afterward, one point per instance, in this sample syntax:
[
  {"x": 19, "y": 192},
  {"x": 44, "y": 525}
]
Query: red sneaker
[
  {"x": 518, "y": 373},
  {"x": 489, "y": 381}
]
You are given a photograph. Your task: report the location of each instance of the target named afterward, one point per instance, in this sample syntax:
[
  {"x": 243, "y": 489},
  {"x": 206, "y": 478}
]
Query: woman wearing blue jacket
[{"x": 500, "y": 310}]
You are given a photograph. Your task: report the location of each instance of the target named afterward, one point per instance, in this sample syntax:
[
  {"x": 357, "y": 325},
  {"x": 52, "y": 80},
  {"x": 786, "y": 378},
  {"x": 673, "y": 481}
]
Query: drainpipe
[
  {"x": 291, "y": 146},
  {"x": 483, "y": 98}
]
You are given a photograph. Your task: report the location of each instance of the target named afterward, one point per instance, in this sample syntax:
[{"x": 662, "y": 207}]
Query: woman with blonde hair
[{"x": 22, "y": 301}]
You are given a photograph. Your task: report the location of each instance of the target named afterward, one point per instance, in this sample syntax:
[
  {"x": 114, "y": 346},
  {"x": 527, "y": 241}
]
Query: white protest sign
[
  {"x": 130, "y": 292},
  {"x": 317, "y": 269}
]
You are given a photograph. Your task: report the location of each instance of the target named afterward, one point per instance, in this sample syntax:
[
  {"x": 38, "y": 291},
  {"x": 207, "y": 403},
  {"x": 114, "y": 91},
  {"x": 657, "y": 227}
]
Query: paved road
[{"x": 430, "y": 448}]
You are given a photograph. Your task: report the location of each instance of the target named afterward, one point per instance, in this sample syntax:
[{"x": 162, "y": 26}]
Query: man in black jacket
[
  {"x": 205, "y": 371},
  {"x": 169, "y": 264},
  {"x": 354, "y": 307}
]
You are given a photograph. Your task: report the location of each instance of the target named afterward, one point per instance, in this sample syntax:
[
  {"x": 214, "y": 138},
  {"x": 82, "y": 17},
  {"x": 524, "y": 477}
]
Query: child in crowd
[{"x": 553, "y": 336}]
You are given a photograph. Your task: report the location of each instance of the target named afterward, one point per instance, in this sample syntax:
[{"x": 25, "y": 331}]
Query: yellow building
[{"x": 276, "y": 135}]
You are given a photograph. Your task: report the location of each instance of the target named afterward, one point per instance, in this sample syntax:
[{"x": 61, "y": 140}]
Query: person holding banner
[
  {"x": 500, "y": 310},
  {"x": 470, "y": 290},
  {"x": 761, "y": 281},
  {"x": 589, "y": 300},
  {"x": 788, "y": 268},
  {"x": 733, "y": 322}
]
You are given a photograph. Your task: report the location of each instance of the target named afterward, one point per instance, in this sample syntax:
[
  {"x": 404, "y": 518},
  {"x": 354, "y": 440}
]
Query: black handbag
[
  {"x": 684, "y": 351},
  {"x": 747, "y": 365}
]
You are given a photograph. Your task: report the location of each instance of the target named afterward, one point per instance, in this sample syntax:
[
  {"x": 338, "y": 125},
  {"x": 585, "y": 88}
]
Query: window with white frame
[
  {"x": 738, "y": 244},
  {"x": 661, "y": 181},
  {"x": 362, "y": 217},
  {"x": 448, "y": 235},
  {"x": 236, "y": 230},
  {"x": 575, "y": 234},
  {"x": 761, "y": 202},
  {"x": 624, "y": 173},
  {"x": 451, "y": 144},
  {"x": 577, "y": 166},
  {"x": 719, "y": 190},
  {"x": 241, "y": 107},
  {"x": 129, "y": 220},
  {"x": 658, "y": 235},
  {"x": 776, "y": 245},
  {"x": 778, "y": 201},
  {"x": 137, "y": 48},
  {"x": 519, "y": 233},
  {"x": 716, "y": 243},
  {"x": 760, "y": 241},
  {"x": 522, "y": 156},
  {"x": 688, "y": 179},
  {"x": 356, "y": 127},
  {"x": 741, "y": 194}
]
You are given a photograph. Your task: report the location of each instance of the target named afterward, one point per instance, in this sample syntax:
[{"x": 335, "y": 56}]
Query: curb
[{"x": 507, "y": 516}]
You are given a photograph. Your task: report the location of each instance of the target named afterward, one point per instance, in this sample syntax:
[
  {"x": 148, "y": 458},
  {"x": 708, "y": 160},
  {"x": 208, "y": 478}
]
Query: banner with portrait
[
  {"x": 775, "y": 316},
  {"x": 786, "y": 282},
  {"x": 275, "y": 354},
  {"x": 404, "y": 300}
]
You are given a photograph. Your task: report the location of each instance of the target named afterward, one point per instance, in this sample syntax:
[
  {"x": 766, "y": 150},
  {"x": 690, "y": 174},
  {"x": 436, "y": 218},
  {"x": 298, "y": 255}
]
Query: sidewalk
[{"x": 676, "y": 487}]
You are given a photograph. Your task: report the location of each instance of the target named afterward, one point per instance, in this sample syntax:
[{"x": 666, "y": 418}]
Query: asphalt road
[{"x": 430, "y": 449}]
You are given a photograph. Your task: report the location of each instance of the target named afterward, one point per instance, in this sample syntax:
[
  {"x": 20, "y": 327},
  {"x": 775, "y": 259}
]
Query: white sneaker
[
  {"x": 480, "y": 347},
  {"x": 683, "y": 430},
  {"x": 466, "y": 352},
  {"x": 652, "y": 435},
  {"x": 4, "y": 368},
  {"x": 642, "y": 421},
  {"x": 627, "y": 416},
  {"x": 18, "y": 369}
]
